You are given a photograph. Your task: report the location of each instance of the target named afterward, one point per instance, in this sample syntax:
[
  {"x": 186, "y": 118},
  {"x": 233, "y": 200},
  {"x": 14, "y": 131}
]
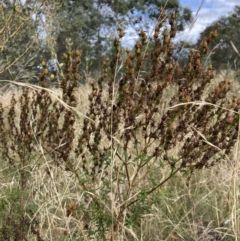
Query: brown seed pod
[
  {"x": 65, "y": 56},
  {"x": 197, "y": 62},
  {"x": 131, "y": 71},
  {"x": 214, "y": 33},
  {"x": 128, "y": 63},
  {"x": 121, "y": 34},
  {"x": 77, "y": 76},
  {"x": 173, "y": 34},
  {"x": 230, "y": 114},
  {"x": 43, "y": 63},
  {"x": 165, "y": 32},
  {"x": 204, "y": 43},
  {"x": 197, "y": 55},
  {"x": 230, "y": 120},
  {"x": 138, "y": 50},
  {"x": 217, "y": 90},
  {"x": 170, "y": 66},
  {"x": 116, "y": 41},
  {"x": 169, "y": 78},
  {"x": 78, "y": 60},
  {"x": 78, "y": 53},
  {"x": 45, "y": 71},
  {"x": 156, "y": 34}
]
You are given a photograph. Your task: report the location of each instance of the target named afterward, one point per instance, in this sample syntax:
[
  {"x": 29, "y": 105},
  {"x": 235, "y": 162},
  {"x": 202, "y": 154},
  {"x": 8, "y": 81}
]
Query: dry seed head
[
  {"x": 78, "y": 60},
  {"x": 156, "y": 34},
  {"x": 40, "y": 75},
  {"x": 214, "y": 33},
  {"x": 131, "y": 55},
  {"x": 144, "y": 38},
  {"x": 90, "y": 97},
  {"x": 45, "y": 71},
  {"x": 170, "y": 20},
  {"x": 174, "y": 27},
  {"x": 131, "y": 71},
  {"x": 230, "y": 120},
  {"x": 116, "y": 41},
  {"x": 165, "y": 32},
  {"x": 78, "y": 53},
  {"x": 138, "y": 45},
  {"x": 169, "y": 66},
  {"x": 121, "y": 34},
  {"x": 95, "y": 86},
  {"x": 120, "y": 28},
  {"x": 44, "y": 63},
  {"x": 164, "y": 48},
  {"x": 166, "y": 39},
  {"x": 173, "y": 34},
  {"x": 157, "y": 28},
  {"x": 198, "y": 55},
  {"x": 230, "y": 114},
  {"x": 142, "y": 33},
  {"x": 173, "y": 16},
  {"x": 210, "y": 67},
  {"x": 128, "y": 62},
  {"x": 228, "y": 81},
  {"x": 212, "y": 75},
  {"x": 169, "y": 78},
  {"x": 77, "y": 76},
  {"x": 197, "y": 62},
  {"x": 138, "y": 50},
  {"x": 204, "y": 43}
]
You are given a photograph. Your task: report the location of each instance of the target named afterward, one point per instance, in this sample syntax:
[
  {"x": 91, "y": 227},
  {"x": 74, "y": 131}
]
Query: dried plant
[{"x": 154, "y": 116}]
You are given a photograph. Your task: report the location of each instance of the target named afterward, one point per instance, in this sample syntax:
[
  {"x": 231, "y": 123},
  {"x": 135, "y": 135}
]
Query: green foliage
[
  {"x": 19, "y": 33},
  {"x": 88, "y": 24}
]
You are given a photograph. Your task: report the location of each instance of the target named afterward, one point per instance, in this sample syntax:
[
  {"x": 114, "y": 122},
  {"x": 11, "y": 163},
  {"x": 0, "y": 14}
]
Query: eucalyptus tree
[
  {"x": 91, "y": 25},
  {"x": 223, "y": 54},
  {"x": 19, "y": 37}
]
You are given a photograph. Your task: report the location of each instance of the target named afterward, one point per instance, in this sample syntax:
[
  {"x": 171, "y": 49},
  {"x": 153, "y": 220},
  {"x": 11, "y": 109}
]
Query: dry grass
[{"x": 201, "y": 208}]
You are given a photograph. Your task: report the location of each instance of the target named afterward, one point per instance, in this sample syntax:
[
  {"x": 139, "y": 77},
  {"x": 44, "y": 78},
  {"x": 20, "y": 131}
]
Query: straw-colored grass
[{"x": 204, "y": 207}]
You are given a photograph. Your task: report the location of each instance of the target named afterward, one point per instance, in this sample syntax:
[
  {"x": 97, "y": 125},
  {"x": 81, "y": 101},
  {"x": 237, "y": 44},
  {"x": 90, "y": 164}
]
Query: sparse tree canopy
[
  {"x": 19, "y": 36},
  {"x": 228, "y": 28},
  {"x": 88, "y": 23},
  {"x": 35, "y": 30}
]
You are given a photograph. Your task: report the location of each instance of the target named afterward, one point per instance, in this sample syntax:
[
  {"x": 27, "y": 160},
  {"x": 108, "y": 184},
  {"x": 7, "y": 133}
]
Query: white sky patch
[{"x": 210, "y": 11}]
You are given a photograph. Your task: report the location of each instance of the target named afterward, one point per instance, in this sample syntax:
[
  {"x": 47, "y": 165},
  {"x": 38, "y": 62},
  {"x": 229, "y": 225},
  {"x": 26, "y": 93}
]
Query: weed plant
[{"x": 145, "y": 115}]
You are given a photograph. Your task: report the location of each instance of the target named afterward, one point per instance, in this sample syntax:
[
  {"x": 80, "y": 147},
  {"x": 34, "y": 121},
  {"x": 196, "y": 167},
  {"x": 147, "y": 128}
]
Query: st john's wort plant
[
  {"x": 148, "y": 119},
  {"x": 133, "y": 131},
  {"x": 35, "y": 128}
]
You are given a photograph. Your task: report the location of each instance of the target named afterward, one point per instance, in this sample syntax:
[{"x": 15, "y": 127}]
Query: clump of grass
[{"x": 147, "y": 120}]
